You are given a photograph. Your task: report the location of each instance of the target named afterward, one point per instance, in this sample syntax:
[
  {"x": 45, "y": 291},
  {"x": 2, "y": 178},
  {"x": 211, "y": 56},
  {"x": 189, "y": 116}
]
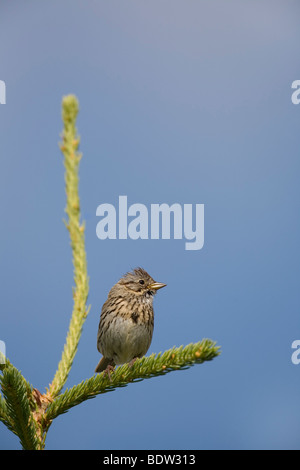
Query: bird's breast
[{"x": 126, "y": 331}]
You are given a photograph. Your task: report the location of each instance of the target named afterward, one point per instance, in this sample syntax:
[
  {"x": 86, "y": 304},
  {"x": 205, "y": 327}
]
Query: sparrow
[{"x": 127, "y": 320}]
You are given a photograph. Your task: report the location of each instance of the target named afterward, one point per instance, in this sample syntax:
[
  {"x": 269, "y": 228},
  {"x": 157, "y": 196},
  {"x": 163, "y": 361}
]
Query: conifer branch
[
  {"x": 144, "y": 368},
  {"x": 4, "y": 417},
  {"x": 69, "y": 148},
  {"x": 18, "y": 413},
  {"x": 3, "y": 413}
]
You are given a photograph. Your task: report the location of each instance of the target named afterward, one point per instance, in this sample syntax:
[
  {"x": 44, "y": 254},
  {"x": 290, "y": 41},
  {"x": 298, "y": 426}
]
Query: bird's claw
[
  {"x": 108, "y": 370},
  {"x": 130, "y": 364}
]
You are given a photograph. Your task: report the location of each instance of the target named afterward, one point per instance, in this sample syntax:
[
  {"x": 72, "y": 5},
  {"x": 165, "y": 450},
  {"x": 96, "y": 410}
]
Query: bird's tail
[{"x": 103, "y": 364}]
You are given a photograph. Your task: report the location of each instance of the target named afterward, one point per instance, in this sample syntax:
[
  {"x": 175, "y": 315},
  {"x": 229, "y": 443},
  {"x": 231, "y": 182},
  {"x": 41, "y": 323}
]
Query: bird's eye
[{"x": 142, "y": 282}]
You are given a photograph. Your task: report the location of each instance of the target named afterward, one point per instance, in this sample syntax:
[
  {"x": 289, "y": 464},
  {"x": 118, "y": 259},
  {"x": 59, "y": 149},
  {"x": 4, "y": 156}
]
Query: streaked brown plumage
[{"x": 127, "y": 320}]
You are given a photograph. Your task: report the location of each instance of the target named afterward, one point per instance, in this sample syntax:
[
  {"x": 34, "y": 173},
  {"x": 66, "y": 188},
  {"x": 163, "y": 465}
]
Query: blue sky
[{"x": 186, "y": 102}]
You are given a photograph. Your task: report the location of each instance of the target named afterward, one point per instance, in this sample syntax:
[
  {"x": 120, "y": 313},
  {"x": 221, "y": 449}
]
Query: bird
[{"x": 127, "y": 320}]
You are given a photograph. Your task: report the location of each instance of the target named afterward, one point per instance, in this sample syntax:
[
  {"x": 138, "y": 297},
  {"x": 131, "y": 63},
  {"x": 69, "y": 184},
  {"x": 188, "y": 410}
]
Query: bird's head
[{"x": 140, "y": 282}]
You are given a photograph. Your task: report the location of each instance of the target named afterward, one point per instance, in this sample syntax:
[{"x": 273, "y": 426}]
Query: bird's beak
[{"x": 157, "y": 285}]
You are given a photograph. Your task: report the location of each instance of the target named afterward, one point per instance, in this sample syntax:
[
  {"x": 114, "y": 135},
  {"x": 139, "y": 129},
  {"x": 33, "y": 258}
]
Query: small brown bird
[{"x": 127, "y": 320}]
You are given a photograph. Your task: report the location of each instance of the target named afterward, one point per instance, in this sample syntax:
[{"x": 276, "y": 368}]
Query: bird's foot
[
  {"x": 108, "y": 370},
  {"x": 130, "y": 364}
]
